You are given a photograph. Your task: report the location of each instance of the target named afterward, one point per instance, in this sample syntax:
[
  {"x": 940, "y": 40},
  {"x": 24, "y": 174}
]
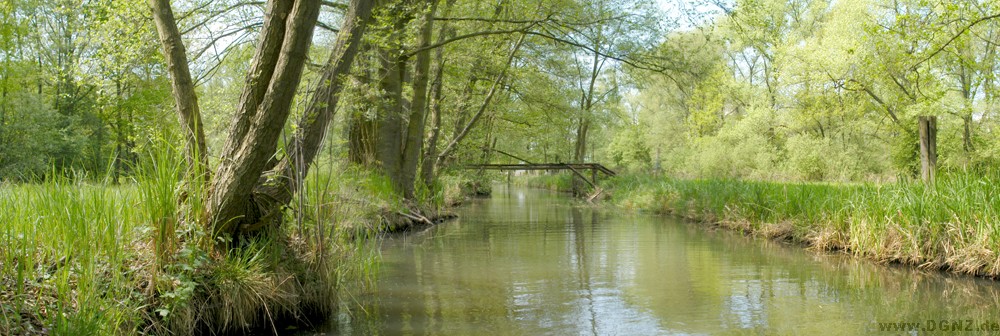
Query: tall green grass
[
  {"x": 951, "y": 225},
  {"x": 84, "y": 257},
  {"x": 71, "y": 252}
]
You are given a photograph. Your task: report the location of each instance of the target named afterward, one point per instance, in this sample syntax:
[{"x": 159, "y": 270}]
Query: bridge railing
[{"x": 544, "y": 166}]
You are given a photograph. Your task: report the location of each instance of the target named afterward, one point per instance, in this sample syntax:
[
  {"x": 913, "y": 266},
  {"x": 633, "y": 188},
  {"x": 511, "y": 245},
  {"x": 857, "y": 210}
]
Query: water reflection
[{"x": 529, "y": 262}]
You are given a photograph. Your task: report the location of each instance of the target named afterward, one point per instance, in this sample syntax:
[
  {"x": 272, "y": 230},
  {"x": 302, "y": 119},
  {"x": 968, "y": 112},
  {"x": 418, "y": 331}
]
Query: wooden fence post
[{"x": 928, "y": 148}]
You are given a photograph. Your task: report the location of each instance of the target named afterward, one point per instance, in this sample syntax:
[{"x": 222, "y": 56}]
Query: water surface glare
[{"x": 531, "y": 262}]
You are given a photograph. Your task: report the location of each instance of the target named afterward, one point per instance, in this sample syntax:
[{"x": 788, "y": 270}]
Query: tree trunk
[
  {"x": 389, "y": 143},
  {"x": 587, "y": 103},
  {"x": 967, "y": 134},
  {"x": 230, "y": 204},
  {"x": 181, "y": 84},
  {"x": 361, "y": 139},
  {"x": 928, "y": 148},
  {"x": 362, "y": 128},
  {"x": 119, "y": 133},
  {"x": 286, "y": 178},
  {"x": 259, "y": 75},
  {"x": 965, "y": 82},
  {"x": 579, "y": 151},
  {"x": 427, "y": 169},
  {"x": 415, "y": 130},
  {"x": 427, "y": 172},
  {"x": 392, "y": 75}
]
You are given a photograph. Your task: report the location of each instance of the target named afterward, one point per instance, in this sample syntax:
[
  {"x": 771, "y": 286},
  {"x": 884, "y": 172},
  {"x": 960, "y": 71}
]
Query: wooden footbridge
[
  {"x": 576, "y": 168},
  {"x": 594, "y": 168}
]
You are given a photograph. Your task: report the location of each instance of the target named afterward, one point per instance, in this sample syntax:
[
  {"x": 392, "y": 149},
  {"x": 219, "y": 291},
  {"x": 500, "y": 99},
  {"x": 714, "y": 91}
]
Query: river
[{"x": 532, "y": 262}]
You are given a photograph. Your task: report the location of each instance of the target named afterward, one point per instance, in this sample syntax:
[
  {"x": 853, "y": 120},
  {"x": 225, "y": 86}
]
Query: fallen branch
[{"x": 415, "y": 217}]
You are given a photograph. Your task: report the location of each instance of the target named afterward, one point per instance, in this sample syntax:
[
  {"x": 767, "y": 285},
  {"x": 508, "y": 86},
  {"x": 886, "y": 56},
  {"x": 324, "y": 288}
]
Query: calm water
[{"x": 529, "y": 262}]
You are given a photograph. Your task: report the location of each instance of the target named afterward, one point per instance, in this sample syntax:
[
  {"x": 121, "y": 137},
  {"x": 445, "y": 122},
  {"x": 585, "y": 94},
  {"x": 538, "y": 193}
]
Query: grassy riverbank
[
  {"x": 954, "y": 225},
  {"x": 86, "y": 258}
]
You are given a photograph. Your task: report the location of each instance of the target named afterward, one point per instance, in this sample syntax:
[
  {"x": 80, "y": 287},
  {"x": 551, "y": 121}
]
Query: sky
[{"x": 706, "y": 9}]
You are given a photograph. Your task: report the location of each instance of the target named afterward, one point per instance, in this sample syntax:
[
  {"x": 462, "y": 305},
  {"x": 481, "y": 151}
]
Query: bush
[{"x": 33, "y": 137}]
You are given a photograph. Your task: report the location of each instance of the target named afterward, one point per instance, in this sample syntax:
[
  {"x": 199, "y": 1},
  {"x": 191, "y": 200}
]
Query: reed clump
[{"x": 952, "y": 225}]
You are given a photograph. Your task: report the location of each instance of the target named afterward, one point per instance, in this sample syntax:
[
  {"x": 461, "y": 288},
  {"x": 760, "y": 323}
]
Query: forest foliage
[
  {"x": 823, "y": 90},
  {"x": 763, "y": 89}
]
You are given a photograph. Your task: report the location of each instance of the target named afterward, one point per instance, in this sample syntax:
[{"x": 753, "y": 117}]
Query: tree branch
[
  {"x": 953, "y": 38},
  {"x": 482, "y": 108}
]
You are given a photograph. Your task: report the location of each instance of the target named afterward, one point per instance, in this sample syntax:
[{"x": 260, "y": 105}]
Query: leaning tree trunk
[
  {"x": 259, "y": 75},
  {"x": 467, "y": 127},
  {"x": 230, "y": 204},
  {"x": 287, "y": 177},
  {"x": 182, "y": 85}
]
